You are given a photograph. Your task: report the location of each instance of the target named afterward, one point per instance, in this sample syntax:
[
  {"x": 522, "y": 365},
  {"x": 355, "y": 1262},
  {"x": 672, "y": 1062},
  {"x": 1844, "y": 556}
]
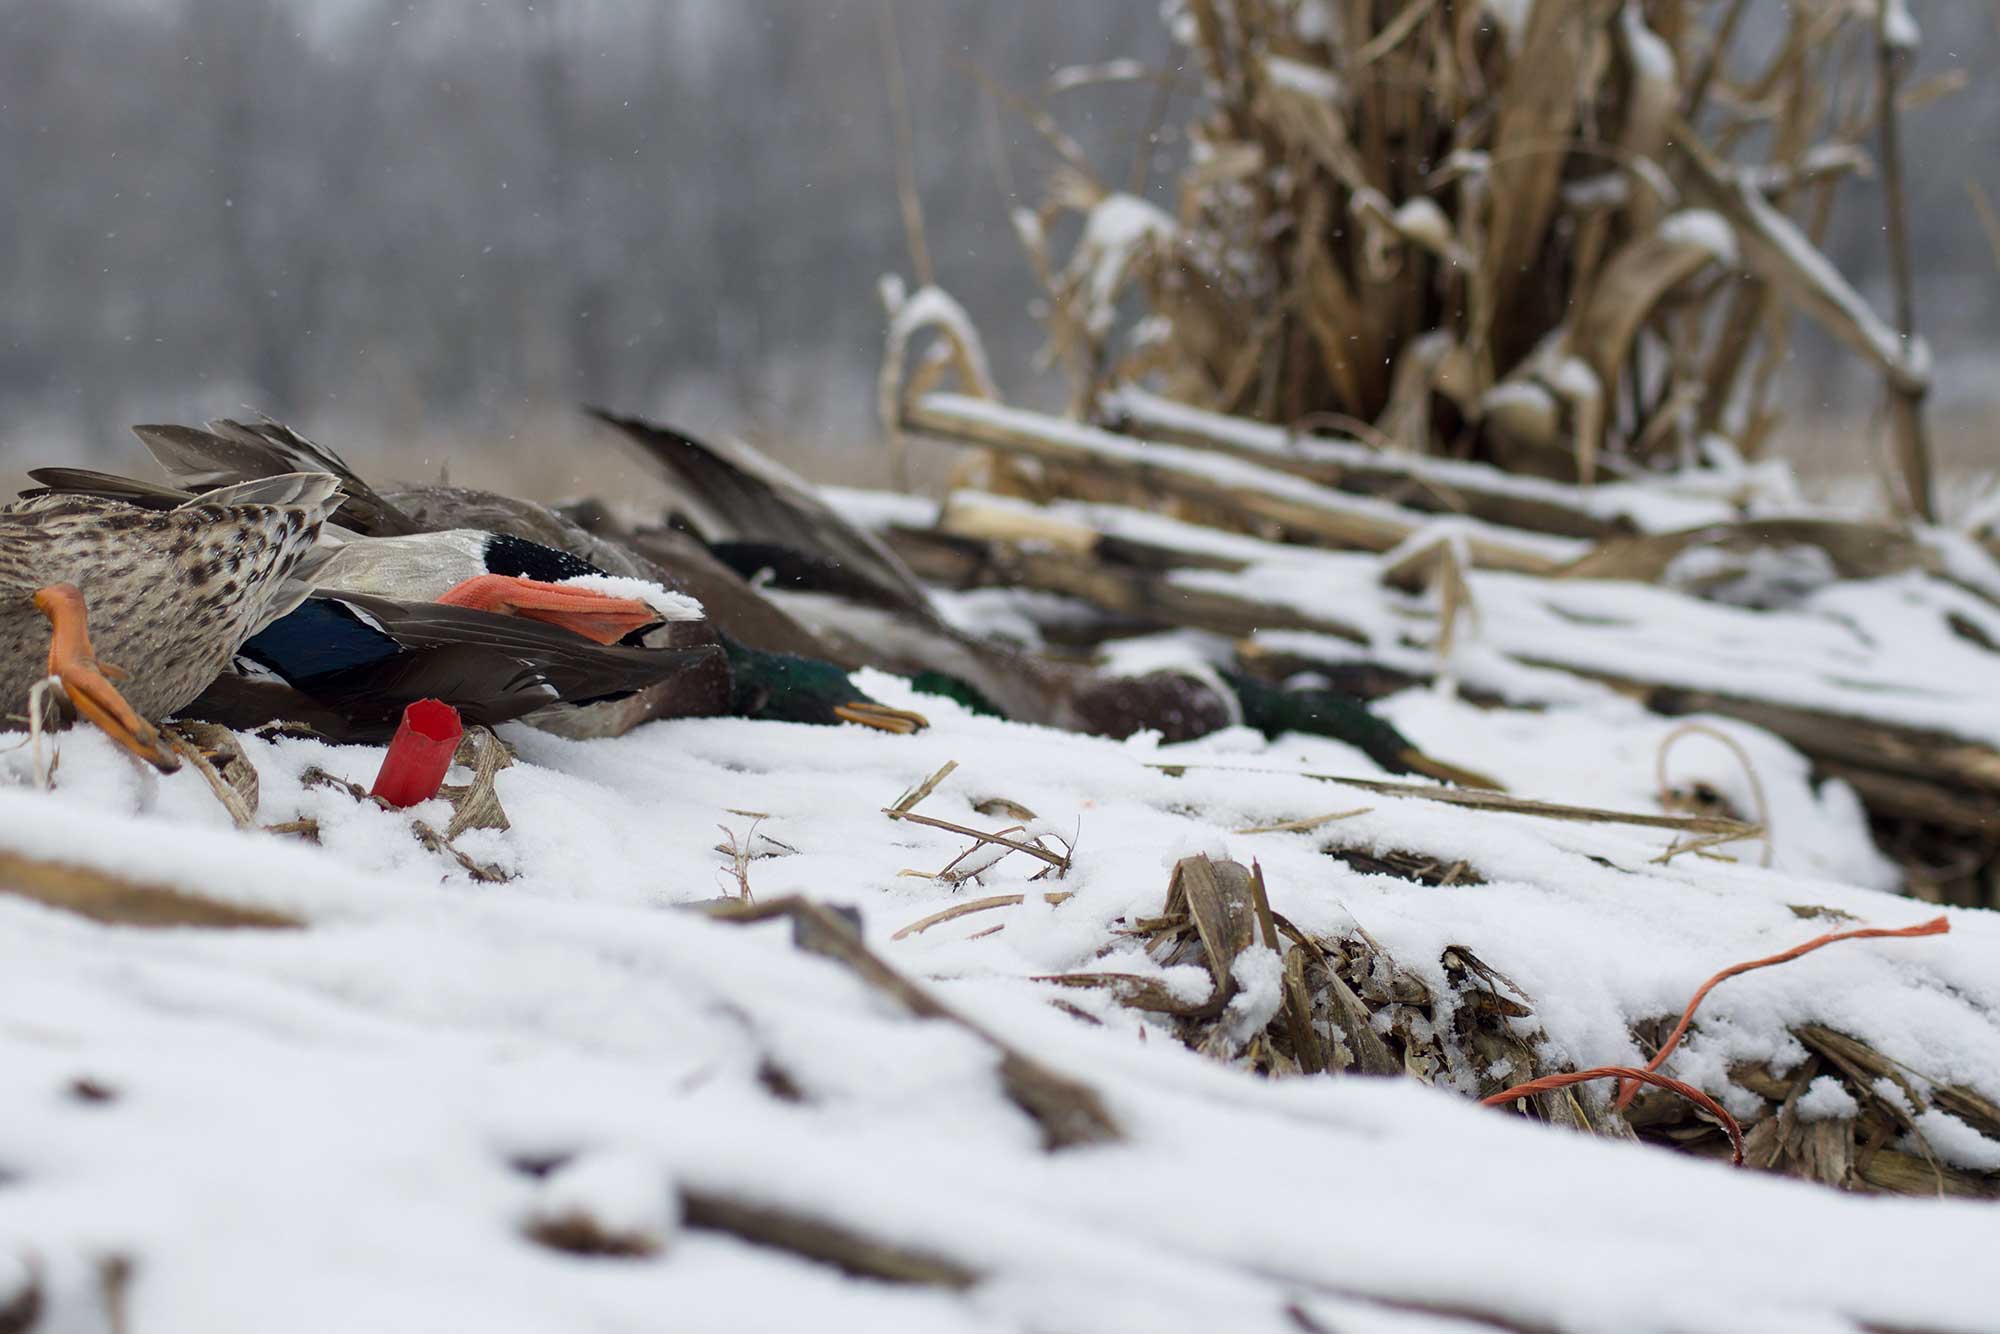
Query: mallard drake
[
  {"x": 174, "y": 585},
  {"x": 860, "y": 598},
  {"x": 481, "y": 550},
  {"x": 864, "y": 604},
  {"x": 346, "y": 665}
]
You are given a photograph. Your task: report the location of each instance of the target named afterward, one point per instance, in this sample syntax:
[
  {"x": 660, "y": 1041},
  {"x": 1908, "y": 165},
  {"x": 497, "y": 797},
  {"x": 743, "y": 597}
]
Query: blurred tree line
[{"x": 385, "y": 213}]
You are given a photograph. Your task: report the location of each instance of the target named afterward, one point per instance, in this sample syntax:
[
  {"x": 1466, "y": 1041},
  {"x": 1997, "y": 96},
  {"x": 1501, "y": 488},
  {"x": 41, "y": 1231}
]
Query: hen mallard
[
  {"x": 173, "y": 585},
  {"x": 481, "y": 621}
]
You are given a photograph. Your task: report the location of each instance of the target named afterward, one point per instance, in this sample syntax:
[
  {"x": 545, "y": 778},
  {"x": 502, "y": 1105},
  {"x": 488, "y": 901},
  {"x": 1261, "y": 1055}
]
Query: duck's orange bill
[{"x": 595, "y": 616}]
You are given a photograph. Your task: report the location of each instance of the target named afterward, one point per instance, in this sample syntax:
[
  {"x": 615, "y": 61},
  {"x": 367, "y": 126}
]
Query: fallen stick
[
  {"x": 1299, "y": 506},
  {"x": 1140, "y": 593},
  {"x": 1310, "y": 822},
  {"x": 1435, "y": 486},
  {"x": 845, "y": 1248},
  {"x": 1501, "y": 802},
  {"x": 910, "y": 799},
  {"x": 241, "y": 813}
]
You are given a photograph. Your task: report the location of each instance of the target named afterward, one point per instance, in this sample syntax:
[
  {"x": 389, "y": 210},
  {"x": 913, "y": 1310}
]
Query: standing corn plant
[{"x": 1564, "y": 236}]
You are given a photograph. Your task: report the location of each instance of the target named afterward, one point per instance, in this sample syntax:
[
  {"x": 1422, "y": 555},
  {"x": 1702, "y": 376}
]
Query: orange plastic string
[
  {"x": 1937, "y": 926},
  {"x": 1622, "y": 1072}
]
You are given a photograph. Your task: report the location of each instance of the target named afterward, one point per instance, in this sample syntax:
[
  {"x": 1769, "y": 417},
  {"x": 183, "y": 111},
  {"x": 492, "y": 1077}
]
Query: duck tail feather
[
  {"x": 315, "y": 491},
  {"x": 231, "y": 452}
]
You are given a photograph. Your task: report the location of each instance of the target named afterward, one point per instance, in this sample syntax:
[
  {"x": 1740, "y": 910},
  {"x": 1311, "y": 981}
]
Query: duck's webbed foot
[
  {"x": 595, "y": 616},
  {"x": 87, "y": 682}
]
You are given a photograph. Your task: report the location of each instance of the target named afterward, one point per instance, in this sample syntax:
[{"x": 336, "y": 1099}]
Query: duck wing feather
[
  {"x": 731, "y": 495},
  {"x": 229, "y": 452}
]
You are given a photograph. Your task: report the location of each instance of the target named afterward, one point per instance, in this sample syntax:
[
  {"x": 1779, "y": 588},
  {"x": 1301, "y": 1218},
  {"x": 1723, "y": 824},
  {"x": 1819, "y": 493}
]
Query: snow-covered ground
[{"x": 354, "y": 1126}]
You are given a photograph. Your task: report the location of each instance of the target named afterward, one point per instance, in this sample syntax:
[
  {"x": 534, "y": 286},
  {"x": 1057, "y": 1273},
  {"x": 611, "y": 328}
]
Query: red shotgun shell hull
[{"x": 420, "y": 755}]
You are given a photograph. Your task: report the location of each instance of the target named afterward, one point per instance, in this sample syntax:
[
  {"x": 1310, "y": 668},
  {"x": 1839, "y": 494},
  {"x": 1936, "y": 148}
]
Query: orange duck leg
[{"x": 87, "y": 681}]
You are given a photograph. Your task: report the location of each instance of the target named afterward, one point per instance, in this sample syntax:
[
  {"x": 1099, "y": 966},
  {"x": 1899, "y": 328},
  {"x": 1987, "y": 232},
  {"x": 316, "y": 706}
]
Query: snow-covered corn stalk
[{"x": 1563, "y": 237}]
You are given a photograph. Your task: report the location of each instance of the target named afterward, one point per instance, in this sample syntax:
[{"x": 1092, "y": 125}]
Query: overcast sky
[{"x": 384, "y": 215}]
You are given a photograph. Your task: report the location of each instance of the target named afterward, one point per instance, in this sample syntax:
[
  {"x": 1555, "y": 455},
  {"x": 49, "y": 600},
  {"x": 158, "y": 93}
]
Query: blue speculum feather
[{"x": 320, "y": 637}]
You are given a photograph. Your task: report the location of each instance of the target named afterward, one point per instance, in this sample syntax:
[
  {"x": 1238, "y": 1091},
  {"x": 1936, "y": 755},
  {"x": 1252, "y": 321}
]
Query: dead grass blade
[
  {"x": 906, "y": 803},
  {"x": 1735, "y": 748},
  {"x": 1310, "y": 822},
  {"x": 958, "y": 910},
  {"x": 1505, "y": 804},
  {"x": 1057, "y": 860},
  {"x": 235, "y": 782},
  {"x": 1218, "y": 901},
  {"x": 822, "y": 1240},
  {"x": 476, "y": 805}
]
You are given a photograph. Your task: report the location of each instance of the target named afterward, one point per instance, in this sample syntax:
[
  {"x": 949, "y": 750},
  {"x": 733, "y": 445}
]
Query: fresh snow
[
  {"x": 1702, "y": 229},
  {"x": 931, "y": 307},
  {"x": 330, "y": 1129},
  {"x": 1512, "y": 16},
  {"x": 1826, "y": 1098},
  {"x": 1307, "y": 80},
  {"x": 1650, "y": 56},
  {"x": 1899, "y": 30},
  {"x": 669, "y": 605},
  {"x": 1116, "y": 231}
]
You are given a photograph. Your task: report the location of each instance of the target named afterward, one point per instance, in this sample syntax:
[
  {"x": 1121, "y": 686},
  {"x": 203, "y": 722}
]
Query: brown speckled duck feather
[{"x": 172, "y": 592}]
